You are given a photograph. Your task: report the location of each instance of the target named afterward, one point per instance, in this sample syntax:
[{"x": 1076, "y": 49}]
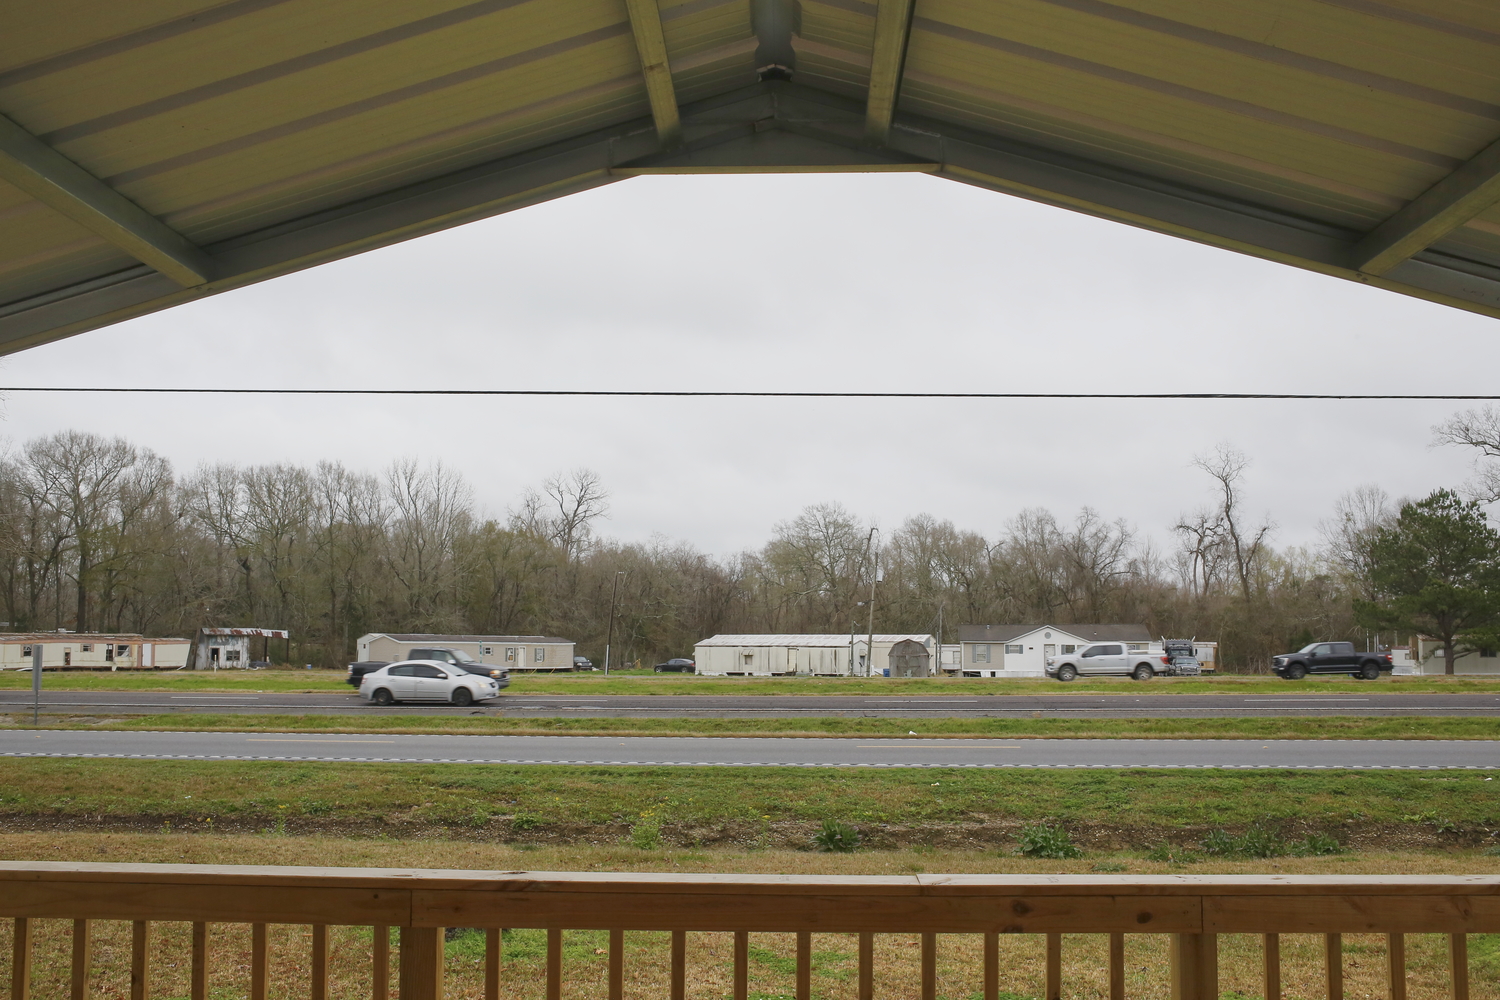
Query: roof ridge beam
[
  {"x": 62, "y": 185},
  {"x": 1450, "y": 203},
  {"x": 651, "y": 45},
  {"x": 887, "y": 60}
]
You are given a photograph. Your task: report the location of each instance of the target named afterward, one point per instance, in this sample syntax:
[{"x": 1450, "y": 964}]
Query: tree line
[{"x": 99, "y": 534}]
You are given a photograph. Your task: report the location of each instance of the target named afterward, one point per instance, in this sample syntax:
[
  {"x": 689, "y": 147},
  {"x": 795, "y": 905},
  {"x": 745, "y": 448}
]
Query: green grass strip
[
  {"x": 1323, "y": 728},
  {"x": 200, "y": 793}
]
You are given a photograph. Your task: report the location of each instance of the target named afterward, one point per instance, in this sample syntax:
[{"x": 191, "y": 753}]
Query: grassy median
[
  {"x": 593, "y": 684},
  {"x": 482, "y": 723},
  {"x": 767, "y": 806}
]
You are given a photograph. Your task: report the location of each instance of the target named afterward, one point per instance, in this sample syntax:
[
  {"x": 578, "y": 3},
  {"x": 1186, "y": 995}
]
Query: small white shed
[{"x": 802, "y": 655}]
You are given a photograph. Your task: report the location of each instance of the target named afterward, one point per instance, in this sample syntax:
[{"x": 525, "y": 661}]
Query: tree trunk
[{"x": 1448, "y": 657}]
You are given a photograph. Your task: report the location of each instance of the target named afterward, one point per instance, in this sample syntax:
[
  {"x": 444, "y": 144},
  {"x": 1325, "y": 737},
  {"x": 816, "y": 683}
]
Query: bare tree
[
  {"x": 1478, "y": 429},
  {"x": 1348, "y": 536},
  {"x": 1227, "y": 466},
  {"x": 565, "y": 509}
]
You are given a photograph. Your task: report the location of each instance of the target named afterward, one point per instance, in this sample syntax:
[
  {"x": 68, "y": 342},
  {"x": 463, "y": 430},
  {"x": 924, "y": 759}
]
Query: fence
[{"x": 1193, "y": 910}]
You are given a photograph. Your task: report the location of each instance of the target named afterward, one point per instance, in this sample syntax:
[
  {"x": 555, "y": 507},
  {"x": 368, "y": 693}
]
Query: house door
[
  {"x": 67, "y": 657},
  {"x": 791, "y": 659},
  {"x": 1049, "y": 651}
]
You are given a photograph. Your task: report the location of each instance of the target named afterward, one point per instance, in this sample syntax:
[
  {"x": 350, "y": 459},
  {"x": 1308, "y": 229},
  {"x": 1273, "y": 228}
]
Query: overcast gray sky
[{"x": 840, "y": 282}]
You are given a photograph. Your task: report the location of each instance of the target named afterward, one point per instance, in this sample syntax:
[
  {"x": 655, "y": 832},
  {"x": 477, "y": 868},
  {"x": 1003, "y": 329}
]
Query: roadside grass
[
  {"x": 478, "y": 723},
  {"x": 709, "y": 955},
  {"x": 590, "y": 684},
  {"x": 580, "y": 801}
]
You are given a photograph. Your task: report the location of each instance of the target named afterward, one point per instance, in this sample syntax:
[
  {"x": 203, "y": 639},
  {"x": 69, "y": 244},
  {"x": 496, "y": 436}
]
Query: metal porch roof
[{"x": 161, "y": 150}]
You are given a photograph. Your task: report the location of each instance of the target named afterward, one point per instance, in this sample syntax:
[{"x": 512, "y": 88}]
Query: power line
[{"x": 760, "y": 394}]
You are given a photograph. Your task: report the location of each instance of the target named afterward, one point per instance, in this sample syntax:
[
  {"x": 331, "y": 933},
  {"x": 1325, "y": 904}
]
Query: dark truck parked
[
  {"x": 457, "y": 657},
  {"x": 1330, "y": 658}
]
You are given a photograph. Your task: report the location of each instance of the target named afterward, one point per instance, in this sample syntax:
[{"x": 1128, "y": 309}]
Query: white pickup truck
[{"x": 1101, "y": 659}]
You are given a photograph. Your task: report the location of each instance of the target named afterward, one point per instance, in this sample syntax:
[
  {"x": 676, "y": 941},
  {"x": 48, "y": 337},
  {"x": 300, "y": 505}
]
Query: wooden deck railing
[{"x": 1193, "y": 910}]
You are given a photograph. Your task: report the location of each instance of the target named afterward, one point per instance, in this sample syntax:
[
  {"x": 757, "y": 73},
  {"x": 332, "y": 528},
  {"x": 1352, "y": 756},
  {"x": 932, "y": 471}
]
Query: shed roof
[
  {"x": 158, "y": 151},
  {"x": 1086, "y": 632},
  {"x": 833, "y": 639}
]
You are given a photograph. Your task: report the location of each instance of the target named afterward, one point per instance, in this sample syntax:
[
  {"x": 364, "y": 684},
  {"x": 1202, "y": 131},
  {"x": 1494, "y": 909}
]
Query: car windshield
[{"x": 1310, "y": 647}]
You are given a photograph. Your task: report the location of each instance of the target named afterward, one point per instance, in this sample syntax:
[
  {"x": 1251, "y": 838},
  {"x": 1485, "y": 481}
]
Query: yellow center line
[{"x": 262, "y": 739}]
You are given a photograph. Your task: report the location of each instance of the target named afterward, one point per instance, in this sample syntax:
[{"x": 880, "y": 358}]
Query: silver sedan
[{"x": 426, "y": 680}]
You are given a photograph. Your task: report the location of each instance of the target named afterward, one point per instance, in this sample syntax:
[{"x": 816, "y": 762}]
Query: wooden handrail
[{"x": 1193, "y": 909}]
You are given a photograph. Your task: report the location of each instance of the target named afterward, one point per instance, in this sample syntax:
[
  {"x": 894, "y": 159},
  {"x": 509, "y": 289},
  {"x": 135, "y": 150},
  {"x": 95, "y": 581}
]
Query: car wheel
[
  {"x": 1369, "y": 672},
  {"x": 1296, "y": 672},
  {"x": 383, "y": 697},
  {"x": 462, "y": 696},
  {"x": 1143, "y": 673},
  {"x": 1067, "y": 672}
]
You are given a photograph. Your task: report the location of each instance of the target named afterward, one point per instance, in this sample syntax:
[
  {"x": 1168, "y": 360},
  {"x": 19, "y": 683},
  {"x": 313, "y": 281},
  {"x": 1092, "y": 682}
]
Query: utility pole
[
  {"x": 609, "y": 640},
  {"x": 36, "y": 681},
  {"x": 874, "y": 575}
]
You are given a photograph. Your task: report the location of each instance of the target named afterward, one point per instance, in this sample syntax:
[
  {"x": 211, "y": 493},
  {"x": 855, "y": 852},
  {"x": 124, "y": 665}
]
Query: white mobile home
[
  {"x": 1425, "y": 656},
  {"x": 1022, "y": 650},
  {"x": 514, "y": 652},
  {"x": 93, "y": 651},
  {"x": 816, "y": 655}
]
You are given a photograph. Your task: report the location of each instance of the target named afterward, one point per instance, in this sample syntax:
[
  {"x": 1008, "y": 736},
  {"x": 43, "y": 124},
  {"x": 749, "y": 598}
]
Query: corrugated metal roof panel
[
  {"x": 312, "y": 129},
  {"x": 800, "y": 640}
]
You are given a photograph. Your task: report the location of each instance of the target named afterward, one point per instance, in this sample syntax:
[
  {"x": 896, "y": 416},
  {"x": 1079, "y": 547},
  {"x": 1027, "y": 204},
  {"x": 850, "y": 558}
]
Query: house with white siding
[{"x": 1022, "y": 650}]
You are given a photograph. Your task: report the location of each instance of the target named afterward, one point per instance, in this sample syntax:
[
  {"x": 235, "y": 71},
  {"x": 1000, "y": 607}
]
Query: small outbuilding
[
  {"x": 910, "y": 658},
  {"x": 232, "y": 648}
]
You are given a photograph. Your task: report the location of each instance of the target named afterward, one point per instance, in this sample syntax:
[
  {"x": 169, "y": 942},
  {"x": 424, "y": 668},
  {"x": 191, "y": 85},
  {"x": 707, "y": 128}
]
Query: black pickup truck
[
  {"x": 457, "y": 657},
  {"x": 1330, "y": 658}
]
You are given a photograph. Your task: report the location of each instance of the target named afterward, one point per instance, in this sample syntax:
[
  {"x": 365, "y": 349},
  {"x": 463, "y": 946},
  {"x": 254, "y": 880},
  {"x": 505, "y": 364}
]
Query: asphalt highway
[
  {"x": 759, "y": 752},
  {"x": 1358, "y": 699}
]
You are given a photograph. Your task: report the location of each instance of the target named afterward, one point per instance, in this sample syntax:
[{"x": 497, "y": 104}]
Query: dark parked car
[
  {"x": 582, "y": 663},
  {"x": 676, "y": 665},
  {"x": 1330, "y": 658}
]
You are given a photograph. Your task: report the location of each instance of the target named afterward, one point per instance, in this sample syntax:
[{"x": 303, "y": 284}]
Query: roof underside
[{"x": 157, "y": 151}]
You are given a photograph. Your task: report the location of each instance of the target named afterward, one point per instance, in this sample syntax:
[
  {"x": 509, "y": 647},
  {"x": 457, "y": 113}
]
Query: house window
[
  {"x": 25, "y": 650},
  {"x": 510, "y": 654},
  {"x": 487, "y": 651},
  {"x": 122, "y": 650},
  {"x": 1068, "y": 649},
  {"x": 1014, "y": 649},
  {"x": 87, "y": 647},
  {"x": 981, "y": 652},
  {"x": 231, "y": 656},
  {"x": 109, "y": 653},
  {"x": 1135, "y": 647},
  {"x": 749, "y": 658},
  {"x": 539, "y": 655},
  {"x": 1488, "y": 654}
]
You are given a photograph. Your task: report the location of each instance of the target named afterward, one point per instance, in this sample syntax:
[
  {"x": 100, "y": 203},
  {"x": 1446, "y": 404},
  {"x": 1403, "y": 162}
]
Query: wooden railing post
[
  {"x": 929, "y": 966},
  {"x": 421, "y": 963},
  {"x": 866, "y": 989},
  {"x": 1458, "y": 964},
  {"x": 742, "y": 966},
  {"x": 83, "y": 958},
  {"x": 199, "y": 987},
  {"x": 554, "y": 963},
  {"x": 1117, "y": 967},
  {"x": 679, "y": 965},
  {"x": 20, "y": 969},
  {"x": 1053, "y": 986},
  {"x": 804, "y": 965},
  {"x": 991, "y": 966},
  {"x": 1271, "y": 966},
  {"x": 1333, "y": 965},
  {"x": 1395, "y": 965},
  {"x": 260, "y": 962},
  {"x": 380, "y": 961},
  {"x": 140, "y": 960},
  {"x": 494, "y": 942},
  {"x": 1195, "y": 966},
  {"x": 319, "y": 990}
]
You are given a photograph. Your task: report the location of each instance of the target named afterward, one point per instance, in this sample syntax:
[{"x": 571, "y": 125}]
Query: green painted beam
[
  {"x": 645, "y": 24},
  {"x": 888, "y": 56},
  {"x": 62, "y": 185},
  {"x": 1433, "y": 214}
]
